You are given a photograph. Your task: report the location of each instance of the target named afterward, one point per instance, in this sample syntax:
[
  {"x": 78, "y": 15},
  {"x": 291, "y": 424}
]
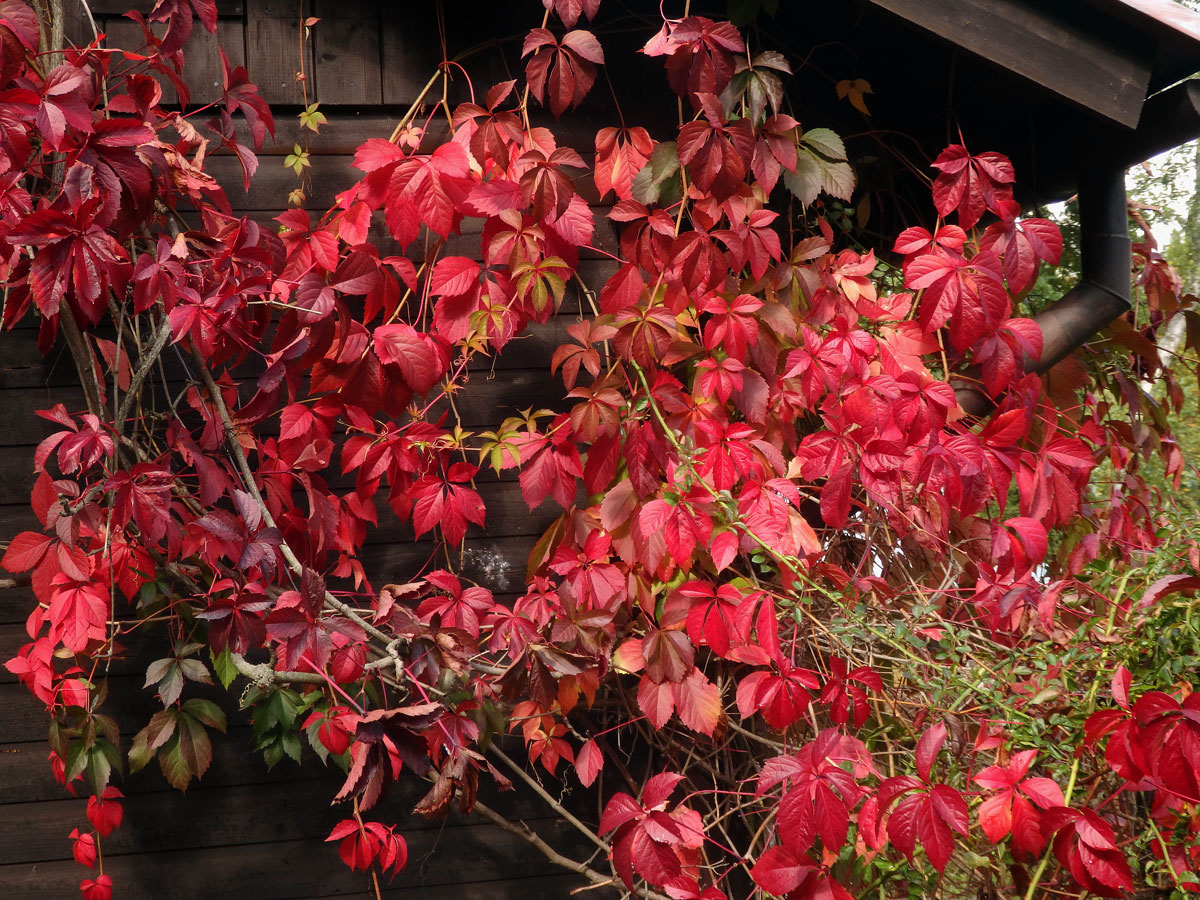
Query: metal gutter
[{"x": 1102, "y": 294}]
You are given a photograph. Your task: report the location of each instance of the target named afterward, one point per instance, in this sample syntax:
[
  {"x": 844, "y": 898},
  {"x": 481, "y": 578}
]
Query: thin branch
[
  {"x": 554, "y": 804},
  {"x": 239, "y": 457},
  {"x": 81, "y": 353},
  {"x": 263, "y": 675},
  {"x": 524, "y": 832},
  {"x": 148, "y": 360}
]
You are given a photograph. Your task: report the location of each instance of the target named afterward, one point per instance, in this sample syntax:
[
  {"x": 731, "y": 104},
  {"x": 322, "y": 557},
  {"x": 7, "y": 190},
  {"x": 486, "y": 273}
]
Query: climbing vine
[{"x": 811, "y": 629}]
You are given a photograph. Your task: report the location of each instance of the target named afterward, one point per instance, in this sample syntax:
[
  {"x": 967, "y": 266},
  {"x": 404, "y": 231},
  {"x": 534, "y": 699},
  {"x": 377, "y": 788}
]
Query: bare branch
[
  {"x": 541, "y": 792},
  {"x": 526, "y": 833},
  {"x": 263, "y": 675}
]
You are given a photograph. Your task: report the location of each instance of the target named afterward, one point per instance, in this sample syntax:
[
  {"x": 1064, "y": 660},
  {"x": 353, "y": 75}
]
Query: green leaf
[
  {"x": 224, "y": 667},
  {"x": 206, "y": 712},
  {"x": 76, "y": 762},
  {"x": 315, "y": 742},
  {"x": 805, "y": 182},
  {"x": 312, "y": 119},
  {"x": 297, "y": 160},
  {"x": 174, "y": 767},
  {"x": 146, "y": 742},
  {"x": 815, "y": 174},
  {"x": 825, "y": 142},
  {"x": 195, "y": 670},
  {"x": 150, "y": 598},
  {"x": 102, "y": 758},
  {"x": 659, "y": 180},
  {"x": 194, "y": 744},
  {"x": 273, "y": 753},
  {"x": 169, "y": 678},
  {"x": 291, "y": 745}
]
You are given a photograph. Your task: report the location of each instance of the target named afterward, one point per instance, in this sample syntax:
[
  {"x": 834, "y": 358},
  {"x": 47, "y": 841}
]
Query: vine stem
[
  {"x": 239, "y": 457},
  {"x": 147, "y": 363},
  {"x": 262, "y": 674},
  {"x": 1089, "y": 705},
  {"x": 416, "y": 104},
  {"x": 541, "y": 792},
  {"x": 524, "y": 832}
]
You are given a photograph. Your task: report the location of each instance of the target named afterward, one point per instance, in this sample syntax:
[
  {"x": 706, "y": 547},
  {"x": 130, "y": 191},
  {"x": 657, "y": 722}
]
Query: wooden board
[
  {"x": 346, "y": 45},
  {"x": 203, "y": 74},
  {"x": 407, "y": 58},
  {"x": 252, "y": 813},
  {"x": 119, "y": 7},
  {"x": 470, "y": 854},
  {"x": 1036, "y": 42},
  {"x": 273, "y": 43},
  {"x": 26, "y": 778}
]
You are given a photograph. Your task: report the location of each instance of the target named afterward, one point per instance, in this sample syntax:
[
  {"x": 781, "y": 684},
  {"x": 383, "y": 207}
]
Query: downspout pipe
[{"x": 1103, "y": 291}]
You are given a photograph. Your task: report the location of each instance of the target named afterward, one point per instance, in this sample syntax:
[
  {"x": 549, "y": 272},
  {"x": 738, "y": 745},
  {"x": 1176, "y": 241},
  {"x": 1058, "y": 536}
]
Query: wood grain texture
[
  {"x": 119, "y": 7},
  {"x": 203, "y": 75},
  {"x": 346, "y": 43},
  {"x": 281, "y": 870},
  {"x": 273, "y": 48},
  {"x": 1030, "y": 39},
  {"x": 408, "y": 57}
]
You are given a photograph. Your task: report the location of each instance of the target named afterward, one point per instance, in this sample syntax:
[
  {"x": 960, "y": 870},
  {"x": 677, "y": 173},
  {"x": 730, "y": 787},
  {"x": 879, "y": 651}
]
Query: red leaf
[
  {"x": 422, "y": 358},
  {"x": 966, "y": 294},
  {"x": 550, "y": 468},
  {"x": 659, "y": 788},
  {"x": 620, "y": 155},
  {"x": 779, "y": 871},
  {"x": 656, "y": 700},
  {"x": 654, "y": 861},
  {"x": 99, "y": 888},
  {"x": 569, "y": 10},
  {"x": 25, "y": 551},
  {"x": 588, "y": 762},
  {"x": 698, "y": 702},
  {"x": 450, "y": 506},
  {"x": 995, "y": 816},
  {"x": 971, "y": 184},
  {"x": 105, "y": 812},
  {"x": 453, "y": 275},
  {"x": 78, "y": 614},
  {"x": 927, "y": 748},
  {"x": 620, "y": 809},
  {"x": 1121, "y": 680},
  {"x": 83, "y": 848},
  {"x": 1169, "y": 584},
  {"x": 1022, "y": 245},
  {"x": 716, "y": 156},
  {"x": 561, "y": 74}
]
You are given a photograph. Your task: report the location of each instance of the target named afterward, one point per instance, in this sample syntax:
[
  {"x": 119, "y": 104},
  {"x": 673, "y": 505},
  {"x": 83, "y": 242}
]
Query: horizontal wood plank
[
  {"x": 277, "y": 51},
  {"x": 346, "y": 46},
  {"x": 25, "y": 775},
  {"x": 471, "y": 854},
  {"x": 120, "y": 7},
  {"x": 243, "y": 814},
  {"x": 203, "y": 73},
  {"x": 1036, "y": 42}
]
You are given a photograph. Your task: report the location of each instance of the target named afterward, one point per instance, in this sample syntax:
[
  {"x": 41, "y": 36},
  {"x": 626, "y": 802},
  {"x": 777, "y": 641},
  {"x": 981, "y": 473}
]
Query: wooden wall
[{"x": 244, "y": 831}]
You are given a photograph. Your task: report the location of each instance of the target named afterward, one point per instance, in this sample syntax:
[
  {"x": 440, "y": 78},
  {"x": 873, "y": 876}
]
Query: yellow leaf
[{"x": 854, "y": 91}]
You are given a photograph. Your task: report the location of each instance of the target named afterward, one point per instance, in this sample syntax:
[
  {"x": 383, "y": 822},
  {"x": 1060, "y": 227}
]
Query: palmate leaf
[
  {"x": 821, "y": 166},
  {"x": 620, "y": 156},
  {"x": 560, "y": 73},
  {"x": 971, "y": 185}
]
